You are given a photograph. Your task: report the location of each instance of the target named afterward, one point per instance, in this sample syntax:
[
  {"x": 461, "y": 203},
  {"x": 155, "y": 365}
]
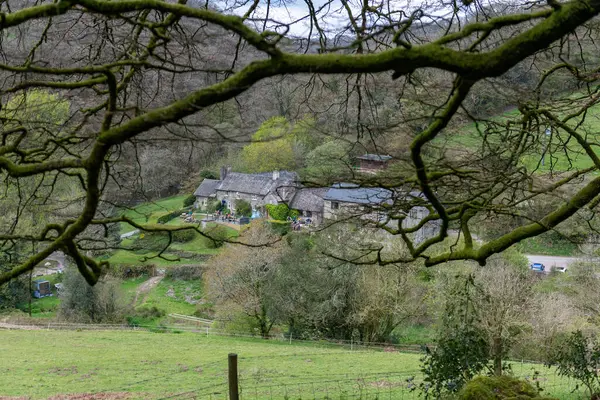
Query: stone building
[
  {"x": 341, "y": 201},
  {"x": 349, "y": 201},
  {"x": 309, "y": 202},
  {"x": 257, "y": 189}
]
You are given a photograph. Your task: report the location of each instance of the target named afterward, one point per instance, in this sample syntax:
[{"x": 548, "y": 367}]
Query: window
[
  {"x": 308, "y": 214},
  {"x": 335, "y": 205},
  {"x": 414, "y": 214},
  {"x": 237, "y": 195}
]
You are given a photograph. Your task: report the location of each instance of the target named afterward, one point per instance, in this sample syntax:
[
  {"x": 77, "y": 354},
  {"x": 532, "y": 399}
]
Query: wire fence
[
  {"x": 404, "y": 385},
  {"x": 206, "y": 329},
  {"x": 375, "y": 387}
]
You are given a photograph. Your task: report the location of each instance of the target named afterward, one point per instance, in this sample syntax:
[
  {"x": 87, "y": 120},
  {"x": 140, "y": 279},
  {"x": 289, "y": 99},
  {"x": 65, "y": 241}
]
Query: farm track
[{"x": 145, "y": 288}]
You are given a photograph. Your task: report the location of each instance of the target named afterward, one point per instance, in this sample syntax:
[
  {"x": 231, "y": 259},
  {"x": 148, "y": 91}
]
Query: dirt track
[{"x": 145, "y": 287}]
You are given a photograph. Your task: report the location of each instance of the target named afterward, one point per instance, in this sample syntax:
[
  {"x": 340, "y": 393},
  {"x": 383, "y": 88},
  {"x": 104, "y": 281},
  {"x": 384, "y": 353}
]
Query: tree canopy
[{"x": 152, "y": 81}]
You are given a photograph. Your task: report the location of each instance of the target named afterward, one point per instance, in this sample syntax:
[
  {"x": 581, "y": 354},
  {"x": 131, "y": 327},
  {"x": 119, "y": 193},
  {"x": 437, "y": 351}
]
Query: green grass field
[
  {"x": 149, "y": 212},
  {"x": 563, "y": 157},
  {"x": 175, "y": 296},
  {"x": 178, "y": 253},
  {"x": 550, "y": 245},
  {"x": 147, "y": 365}
]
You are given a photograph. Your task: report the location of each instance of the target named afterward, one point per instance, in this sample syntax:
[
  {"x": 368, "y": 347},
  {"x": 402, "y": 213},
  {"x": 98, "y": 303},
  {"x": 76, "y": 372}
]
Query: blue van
[{"x": 539, "y": 267}]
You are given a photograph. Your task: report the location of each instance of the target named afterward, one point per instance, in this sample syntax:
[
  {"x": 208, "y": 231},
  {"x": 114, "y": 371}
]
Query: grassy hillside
[
  {"x": 191, "y": 252},
  {"x": 564, "y": 157},
  {"x": 154, "y": 365},
  {"x": 149, "y": 212}
]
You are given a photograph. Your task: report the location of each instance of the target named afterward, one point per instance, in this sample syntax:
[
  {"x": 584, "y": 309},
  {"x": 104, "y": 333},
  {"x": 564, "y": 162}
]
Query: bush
[
  {"x": 127, "y": 271},
  {"x": 278, "y": 212},
  {"x": 151, "y": 241},
  {"x": 243, "y": 208},
  {"x": 208, "y": 174},
  {"x": 14, "y": 292},
  {"x": 213, "y": 206},
  {"x": 578, "y": 357},
  {"x": 163, "y": 219},
  {"x": 145, "y": 316},
  {"x": 189, "y": 201},
  {"x": 498, "y": 388},
  {"x": 216, "y": 236},
  {"x": 185, "y": 272},
  {"x": 280, "y": 228},
  {"x": 184, "y": 236},
  {"x": 80, "y": 302}
]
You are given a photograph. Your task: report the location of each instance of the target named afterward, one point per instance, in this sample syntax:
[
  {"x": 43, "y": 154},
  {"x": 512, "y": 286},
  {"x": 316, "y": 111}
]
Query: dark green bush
[
  {"x": 145, "y": 316},
  {"x": 280, "y": 228},
  {"x": 213, "y": 206},
  {"x": 243, "y": 208},
  {"x": 216, "y": 236},
  {"x": 208, "y": 174},
  {"x": 185, "y": 272},
  {"x": 184, "y": 236},
  {"x": 163, "y": 219},
  {"x": 189, "y": 201},
  {"x": 205, "y": 310},
  {"x": 498, "y": 388},
  {"x": 126, "y": 271}
]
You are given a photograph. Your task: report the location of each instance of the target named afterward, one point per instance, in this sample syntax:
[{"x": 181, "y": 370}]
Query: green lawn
[
  {"x": 129, "y": 287},
  {"x": 550, "y": 245},
  {"x": 188, "y": 253},
  {"x": 149, "y": 212},
  {"x": 175, "y": 296},
  {"x": 157, "y": 365},
  {"x": 129, "y": 257}
]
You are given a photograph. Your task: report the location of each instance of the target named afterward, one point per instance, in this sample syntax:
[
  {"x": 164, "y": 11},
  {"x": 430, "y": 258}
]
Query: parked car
[
  {"x": 561, "y": 269},
  {"x": 539, "y": 267}
]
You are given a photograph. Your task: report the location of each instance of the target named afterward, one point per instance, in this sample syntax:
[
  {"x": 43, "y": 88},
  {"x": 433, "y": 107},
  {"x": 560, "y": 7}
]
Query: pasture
[{"x": 145, "y": 365}]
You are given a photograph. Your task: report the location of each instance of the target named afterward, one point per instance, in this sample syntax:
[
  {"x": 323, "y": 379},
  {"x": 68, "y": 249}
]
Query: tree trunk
[
  {"x": 264, "y": 324},
  {"x": 30, "y": 289},
  {"x": 497, "y": 355}
]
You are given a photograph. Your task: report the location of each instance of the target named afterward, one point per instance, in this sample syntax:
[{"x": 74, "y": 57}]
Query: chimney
[
  {"x": 275, "y": 175},
  {"x": 224, "y": 171}
]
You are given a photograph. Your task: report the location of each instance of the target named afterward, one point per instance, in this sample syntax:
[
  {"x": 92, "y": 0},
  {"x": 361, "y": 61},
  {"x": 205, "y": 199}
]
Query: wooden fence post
[{"x": 233, "y": 377}]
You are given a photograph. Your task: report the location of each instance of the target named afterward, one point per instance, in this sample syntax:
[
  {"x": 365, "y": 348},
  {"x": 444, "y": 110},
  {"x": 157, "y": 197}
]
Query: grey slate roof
[
  {"x": 207, "y": 188},
  {"x": 375, "y": 157},
  {"x": 357, "y": 195},
  {"x": 309, "y": 199},
  {"x": 260, "y": 184}
]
